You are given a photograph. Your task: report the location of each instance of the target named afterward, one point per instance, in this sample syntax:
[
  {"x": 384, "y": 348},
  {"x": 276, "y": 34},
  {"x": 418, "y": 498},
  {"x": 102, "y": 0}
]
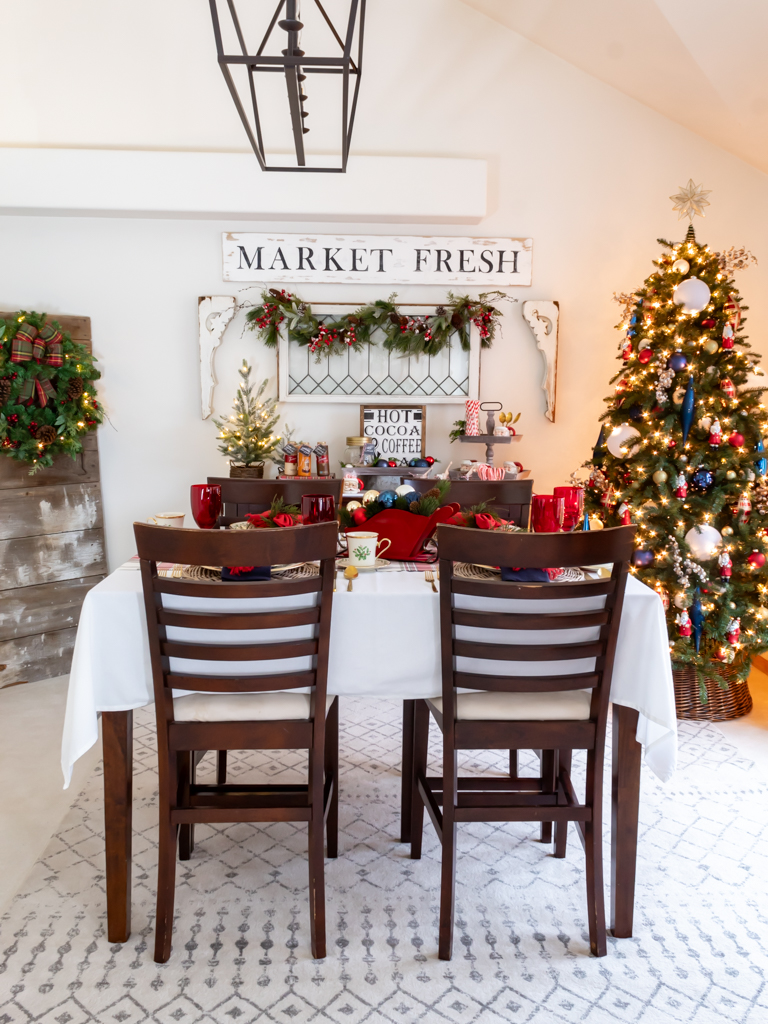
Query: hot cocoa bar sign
[{"x": 385, "y": 259}]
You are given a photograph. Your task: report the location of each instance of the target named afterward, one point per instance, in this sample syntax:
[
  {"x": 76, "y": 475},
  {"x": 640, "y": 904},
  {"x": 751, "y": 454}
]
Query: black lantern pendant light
[{"x": 284, "y": 29}]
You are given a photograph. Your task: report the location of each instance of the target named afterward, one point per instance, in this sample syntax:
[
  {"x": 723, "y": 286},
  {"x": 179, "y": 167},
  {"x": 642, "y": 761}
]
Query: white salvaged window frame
[{"x": 377, "y": 359}]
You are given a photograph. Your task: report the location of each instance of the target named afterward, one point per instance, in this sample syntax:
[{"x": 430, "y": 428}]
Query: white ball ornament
[
  {"x": 704, "y": 541},
  {"x": 730, "y": 474},
  {"x": 371, "y": 495},
  {"x": 352, "y": 505},
  {"x": 643, "y": 343},
  {"x": 705, "y": 423},
  {"x": 681, "y": 266},
  {"x": 403, "y": 489},
  {"x": 710, "y": 346},
  {"x": 692, "y": 294},
  {"x": 682, "y": 600},
  {"x": 660, "y": 477},
  {"x": 617, "y": 441}
]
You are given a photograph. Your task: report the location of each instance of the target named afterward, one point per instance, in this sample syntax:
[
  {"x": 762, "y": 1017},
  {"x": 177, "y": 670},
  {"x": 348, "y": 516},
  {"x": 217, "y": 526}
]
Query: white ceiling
[{"x": 699, "y": 62}]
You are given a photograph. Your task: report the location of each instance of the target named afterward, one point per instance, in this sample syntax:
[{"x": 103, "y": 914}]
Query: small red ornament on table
[
  {"x": 683, "y": 621},
  {"x": 733, "y": 631},
  {"x": 429, "y": 460},
  {"x": 359, "y": 517}
]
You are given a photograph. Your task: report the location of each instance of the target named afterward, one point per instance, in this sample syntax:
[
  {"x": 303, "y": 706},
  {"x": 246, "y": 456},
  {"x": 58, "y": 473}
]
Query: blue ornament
[
  {"x": 410, "y": 496},
  {"x": 677, "y": 362},
  {"x": 635, "y": 412},
  {"x": 413, "y": 463},
  {"x": 702, "y": 480},
  {"x": 697, "y": 618},
  {"x": 585, "y": 524},
  {"x": 687, "y": 408},
  {"x": 420, "y": 463},
  {"x": 381, "y": 462},
  {"x": 597, "y": 451},
  {"x": 387, "y": 499},
  {"x": 633, "y": 319},
  {"x": 642, "y": 559},
  {"x": 762, "y": 464},
  {"x": 631, "y": 334}
]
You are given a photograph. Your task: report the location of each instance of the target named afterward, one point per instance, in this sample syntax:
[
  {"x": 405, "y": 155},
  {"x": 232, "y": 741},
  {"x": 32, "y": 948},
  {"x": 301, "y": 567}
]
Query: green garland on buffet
[
  {"x": 407, "y": 335},
  {"x": 425, "y": 506},
  {"x": 47, "y": 398}
]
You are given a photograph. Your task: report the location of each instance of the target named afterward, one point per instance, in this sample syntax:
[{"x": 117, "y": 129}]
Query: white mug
[
  {"x": 363, "y": 549},
  {"x": 167, "y": 519}
]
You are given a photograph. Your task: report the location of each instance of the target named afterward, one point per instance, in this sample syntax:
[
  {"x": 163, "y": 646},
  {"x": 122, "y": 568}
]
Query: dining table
[{"x": 389, "y": 618}]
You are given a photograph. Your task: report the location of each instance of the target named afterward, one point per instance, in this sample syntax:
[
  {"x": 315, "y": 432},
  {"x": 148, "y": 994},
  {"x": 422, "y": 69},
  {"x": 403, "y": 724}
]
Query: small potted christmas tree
[{"x": 247, "y": 437}]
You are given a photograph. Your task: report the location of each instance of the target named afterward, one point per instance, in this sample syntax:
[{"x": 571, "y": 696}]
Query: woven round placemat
[
  {"x": 203, "y": 572},
  {"x": 467, "y": 571},
  {"x": 721, "y": 705}
]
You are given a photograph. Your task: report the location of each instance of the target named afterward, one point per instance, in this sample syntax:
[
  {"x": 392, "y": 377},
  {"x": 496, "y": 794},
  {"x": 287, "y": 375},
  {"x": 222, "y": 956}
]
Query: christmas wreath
[
  {"x": 408, "y": 335},
  {"x": 47, "y": 398}
]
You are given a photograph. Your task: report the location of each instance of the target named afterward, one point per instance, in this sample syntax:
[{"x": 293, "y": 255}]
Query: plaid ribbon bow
[{"x": 44, "y": 346}]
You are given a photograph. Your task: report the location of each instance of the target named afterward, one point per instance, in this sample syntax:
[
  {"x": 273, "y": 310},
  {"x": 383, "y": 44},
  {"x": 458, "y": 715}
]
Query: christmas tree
[
  {"x": 247, "y": 437},
  {"x": 679, "y": 452}
]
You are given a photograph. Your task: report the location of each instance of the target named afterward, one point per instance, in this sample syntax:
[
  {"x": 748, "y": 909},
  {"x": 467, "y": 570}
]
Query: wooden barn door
[{"x": 51, "y": 552}]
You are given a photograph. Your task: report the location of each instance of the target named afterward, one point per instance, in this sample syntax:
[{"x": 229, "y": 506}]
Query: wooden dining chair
[
  {"x": 283, "y": 706},
  {"x": 247, "y": 497},
  {"x": 541, "y": 693}
]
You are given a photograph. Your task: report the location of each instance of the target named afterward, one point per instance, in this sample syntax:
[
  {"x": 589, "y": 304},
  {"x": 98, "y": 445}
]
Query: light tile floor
[{"x": 33, "y": 802}]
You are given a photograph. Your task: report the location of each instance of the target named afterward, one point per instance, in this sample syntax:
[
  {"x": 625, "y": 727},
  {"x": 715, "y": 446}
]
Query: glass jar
[{"x": 355, "y": 454}]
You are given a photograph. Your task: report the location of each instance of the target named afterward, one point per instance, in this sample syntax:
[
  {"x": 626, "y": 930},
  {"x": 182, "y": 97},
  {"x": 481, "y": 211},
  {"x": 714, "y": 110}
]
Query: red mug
[
  {"x": 573, "y": 498},
  {"x": 547, "y": 513},
  {"x": 205, "y": 500},
  {"x": 317, "y": 508}
]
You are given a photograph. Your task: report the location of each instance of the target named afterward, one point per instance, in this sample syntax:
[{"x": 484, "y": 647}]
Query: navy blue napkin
[
  {"x": 256, "y": 572},
  {"x": 524, "y": 575}
]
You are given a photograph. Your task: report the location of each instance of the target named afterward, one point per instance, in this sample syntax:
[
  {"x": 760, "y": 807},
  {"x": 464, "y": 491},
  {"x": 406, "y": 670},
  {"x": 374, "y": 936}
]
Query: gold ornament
[
  {"x": 369, "y": 496},
  {"x": 690, "y": 201},
  {"x": 352, "y": 505}
]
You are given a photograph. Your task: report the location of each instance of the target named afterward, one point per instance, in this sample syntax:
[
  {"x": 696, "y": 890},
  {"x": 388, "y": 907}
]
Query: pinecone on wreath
[
  {"x": 75, "y": 388},
  {"x": 456, "y": 320},
  {"x": 46, "y": 434},
  {"x": 5, "y": 389}
]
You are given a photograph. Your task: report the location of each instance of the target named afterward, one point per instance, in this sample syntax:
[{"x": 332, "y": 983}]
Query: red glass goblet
[
  {"x": 573, "y": 498},
  {"x": 317, "y": 508},
  {"x": 205, "y": 500},
  {"x": 547, "y": 513}
]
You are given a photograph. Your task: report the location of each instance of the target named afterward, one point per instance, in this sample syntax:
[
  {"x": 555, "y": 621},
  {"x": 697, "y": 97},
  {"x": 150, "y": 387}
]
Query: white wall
[{"x": 576, "y": 165}]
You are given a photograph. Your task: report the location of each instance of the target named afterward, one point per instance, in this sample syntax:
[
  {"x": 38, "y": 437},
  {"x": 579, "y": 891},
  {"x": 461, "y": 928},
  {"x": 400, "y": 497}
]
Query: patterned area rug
[{"x": 241, "y": 945}]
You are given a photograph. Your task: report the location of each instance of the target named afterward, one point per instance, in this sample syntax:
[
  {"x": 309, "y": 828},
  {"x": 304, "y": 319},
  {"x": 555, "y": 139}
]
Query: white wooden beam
[{"x": 138, "y": 183}]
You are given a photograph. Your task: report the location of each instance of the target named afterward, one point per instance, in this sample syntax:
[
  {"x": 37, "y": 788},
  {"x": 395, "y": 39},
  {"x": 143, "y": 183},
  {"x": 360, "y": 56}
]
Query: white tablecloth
[{"x": 384, "y": 643}]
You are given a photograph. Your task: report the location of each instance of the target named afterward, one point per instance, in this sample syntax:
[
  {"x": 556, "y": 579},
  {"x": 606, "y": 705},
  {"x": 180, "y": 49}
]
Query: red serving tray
[{"x": 407, "y": 531}]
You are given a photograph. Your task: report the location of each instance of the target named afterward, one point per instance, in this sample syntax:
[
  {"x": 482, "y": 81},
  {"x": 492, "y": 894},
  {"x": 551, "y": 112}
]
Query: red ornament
[
  {"x": 359, "y": 517},
  {"x": 671, "y": 443},
  {"x": 733, "y": 631},
  {"x": 726, "y": 386},
  {"x": 757, "y": 558},
  {"x": 428, "y": 459},
  {"x": 392, "y": 463},
  {"x": 736, "y": 440},
  {"x": 645, "y": 356},
  {"x": 626, "y": 351},
  {"x": 708, "y": 322},
  {"x": 726, "y": 565},
  {"x": 683, "y": 621}
]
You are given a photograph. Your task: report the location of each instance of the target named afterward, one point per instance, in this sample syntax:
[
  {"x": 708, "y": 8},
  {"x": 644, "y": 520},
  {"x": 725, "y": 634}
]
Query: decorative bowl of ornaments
[{"x": 408, "y": 519}]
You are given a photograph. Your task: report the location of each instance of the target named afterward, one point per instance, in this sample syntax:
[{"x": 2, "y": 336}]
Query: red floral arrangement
[
  {"x": 480, "y": 517},
  {"x": 279, "y": 515}
]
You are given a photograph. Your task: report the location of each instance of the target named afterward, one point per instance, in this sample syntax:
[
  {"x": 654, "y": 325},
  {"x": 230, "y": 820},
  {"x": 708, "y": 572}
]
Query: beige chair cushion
[
  {"x": 243, "y": 707},
  {"x": 488, "y": 706}
]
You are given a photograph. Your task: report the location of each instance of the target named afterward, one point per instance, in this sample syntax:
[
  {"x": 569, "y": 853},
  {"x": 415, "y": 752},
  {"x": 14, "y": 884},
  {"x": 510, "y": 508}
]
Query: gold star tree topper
[{"x": 691, "y": 200}]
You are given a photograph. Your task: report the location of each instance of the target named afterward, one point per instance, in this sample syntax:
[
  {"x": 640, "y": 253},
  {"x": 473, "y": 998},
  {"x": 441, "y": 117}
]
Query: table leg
[
  {"x": 409, "y": 710},
  {"x": 117, "y": 741},
  {"x": 625, "y": 808}
]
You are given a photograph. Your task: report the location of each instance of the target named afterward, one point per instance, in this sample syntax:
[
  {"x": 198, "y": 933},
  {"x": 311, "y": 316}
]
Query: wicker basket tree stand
[{"x": 721, "y": 704}]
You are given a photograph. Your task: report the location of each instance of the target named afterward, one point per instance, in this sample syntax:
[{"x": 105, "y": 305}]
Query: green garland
[
  {"x": 427, "y": 504},
  {"x": 407, "y": 335},
  {"x": 31, "y": 431}
]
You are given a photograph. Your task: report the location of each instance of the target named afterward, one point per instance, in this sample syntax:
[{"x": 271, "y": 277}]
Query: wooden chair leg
[
  {"x": 418, "y": 767},
  {"x": 406, "y": 771},
  {"x": 187, "y": 764},
  {"x": 221, "y": 767},
  {"x": 593, "y": 851},
  {"x": 565, "y": 758},
  {"x": 166, "y": 862},
  {"x": 332, "y": 772},
  {"x": 514, "y": 766},
  {"x": 448, "y": 865},
  {"x": 548, "y": 759},
  {"x": 316, "y": 844}
]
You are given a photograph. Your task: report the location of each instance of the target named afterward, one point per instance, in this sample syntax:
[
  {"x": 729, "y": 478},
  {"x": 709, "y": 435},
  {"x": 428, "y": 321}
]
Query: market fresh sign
[{"x": 363, "y": 259}]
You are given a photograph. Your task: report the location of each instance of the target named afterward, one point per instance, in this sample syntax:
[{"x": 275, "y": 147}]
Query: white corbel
[
  {"x": 214, "y": 313},
  {"x": 543, "y": 317}
]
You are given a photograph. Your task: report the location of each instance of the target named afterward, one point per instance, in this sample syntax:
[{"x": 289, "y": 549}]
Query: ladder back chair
[
  {"x": 537, "y": 659},
  {"x": 261, "y": 685},
  {"x": 247, "y": 497}
]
